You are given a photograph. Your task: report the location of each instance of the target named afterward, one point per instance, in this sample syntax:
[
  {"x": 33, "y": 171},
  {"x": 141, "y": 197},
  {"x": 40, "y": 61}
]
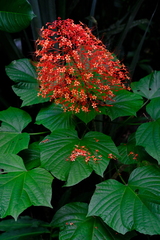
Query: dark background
[{"x": 128, "y": 28}]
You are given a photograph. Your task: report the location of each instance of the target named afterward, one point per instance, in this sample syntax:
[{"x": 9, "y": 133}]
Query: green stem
[{"x": 118, "y": 173}]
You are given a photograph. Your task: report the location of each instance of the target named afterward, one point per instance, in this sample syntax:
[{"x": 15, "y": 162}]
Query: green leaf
[
  {"x": 130, "y": 153},
  {"x": 15, "y": 15},
  {"x": 153, "y": 108},
  {"x": 53, "y": 117},
  {"x": 148, "y": 136},
  {"x": 73, "y": 224},
  {"x": 22, "y": 222},
  {"x": 86, "y": 117},
  {"x": 135, "y": 205},
  {"x": 57, "y": 148},
  {"x": 31, "y": 156},
  {"x": 23, "y": 228},
  {"x": 125, "y": 104},
  {"x": 14, "y": 120},
  {"x": 149, "y": 86},
  {"x": 19, "y": 188},
  {"x": 25, "y": 233},
  {"x": 23, "y": 73}
]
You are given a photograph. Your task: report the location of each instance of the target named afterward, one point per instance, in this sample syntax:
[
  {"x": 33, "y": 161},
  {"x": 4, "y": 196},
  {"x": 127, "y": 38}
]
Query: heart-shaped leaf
[
  {"x": 124, "y": 104},
  {"x": 73, "y": 224},
  {"x": 15, "y": 15},
  {"x": 53, "y": 117},
  {"x": 14, "y": 120},
  {"x": 135, "y": 205},
  {"x": 72, "y": 159},
  {"x": 149, "y": 86},
  {"x": 23, "y": 73},
  {"x": 19, "y": 188}
]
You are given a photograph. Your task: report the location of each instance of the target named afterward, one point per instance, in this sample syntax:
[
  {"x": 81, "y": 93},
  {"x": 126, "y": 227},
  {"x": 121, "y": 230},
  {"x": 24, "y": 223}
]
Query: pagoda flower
[{"x": 75, "y": 69}]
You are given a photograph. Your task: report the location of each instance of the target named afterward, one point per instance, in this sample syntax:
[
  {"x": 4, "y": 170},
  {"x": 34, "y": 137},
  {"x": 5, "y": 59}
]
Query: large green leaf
[
  {"x": 19, "y": 188},
  {"x": 15, "y": 15},
  {"x": 53, "y": 117},
  {"x": 23, "y": 73},
  {"x": 149, "y": 86},
  {"x": 148, "y": 136},
  {"x": 57, "y": 148},
  {"x": 135, "y": 205},
  {"x": 14, "y": 120},
  {"x": 73, "y": 224},
  {"x": 153, "y": 108},
  {"x": 124, "y": 104}
]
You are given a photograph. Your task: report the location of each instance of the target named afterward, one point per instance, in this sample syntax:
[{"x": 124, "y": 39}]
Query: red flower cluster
[
  {"x": 84, "y": 152},
  {"x": 75, "y": 69}
]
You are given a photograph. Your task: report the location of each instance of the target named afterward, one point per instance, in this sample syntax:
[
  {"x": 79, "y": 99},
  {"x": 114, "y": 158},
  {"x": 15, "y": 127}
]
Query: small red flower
[{"x": 75, "y": 69}]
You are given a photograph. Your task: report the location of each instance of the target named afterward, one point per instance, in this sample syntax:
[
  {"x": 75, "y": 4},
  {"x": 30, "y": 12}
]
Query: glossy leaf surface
[
  {"x": 149, "y": 86},
  {"x": 12, "y": 140},
  {"x": 126, "y": 207},
  {"x": 124, "y": 104},
  {"x": 15, "y": 15},
  {"x": 53, "y": 117},
  {"x": 23, "y": 73},
  {"x": 57, "y": 148},
  {"x": 73, "y": 224},
  {"x": 19, "y": 188}
]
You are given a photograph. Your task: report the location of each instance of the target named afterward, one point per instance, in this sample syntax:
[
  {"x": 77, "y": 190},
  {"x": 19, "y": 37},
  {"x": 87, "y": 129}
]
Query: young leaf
[
  {"x": 14, "y": 120},
  {"x": 125, "y": 104},
  {"x": 73, "y": 224},
  {"x": 72, "y": 159},
  {"x": 15, "y": 15},
  {"x": 148, "y": 136},
  {"x": 19, "y": 188},
  {"x": 23, "y": 73},
  {"x": 53, "y": 117},
  {"x": 128, "y": 207},
  {"x": 149, "y": 86}
]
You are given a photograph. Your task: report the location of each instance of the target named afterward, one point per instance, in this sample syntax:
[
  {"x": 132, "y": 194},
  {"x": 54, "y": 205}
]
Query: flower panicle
[{"x": 75, "y": 69}]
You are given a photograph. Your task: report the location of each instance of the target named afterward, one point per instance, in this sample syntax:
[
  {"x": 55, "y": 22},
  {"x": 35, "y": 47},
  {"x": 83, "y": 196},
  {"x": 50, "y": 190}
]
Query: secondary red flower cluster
[{"x": 75, "y": 69}]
